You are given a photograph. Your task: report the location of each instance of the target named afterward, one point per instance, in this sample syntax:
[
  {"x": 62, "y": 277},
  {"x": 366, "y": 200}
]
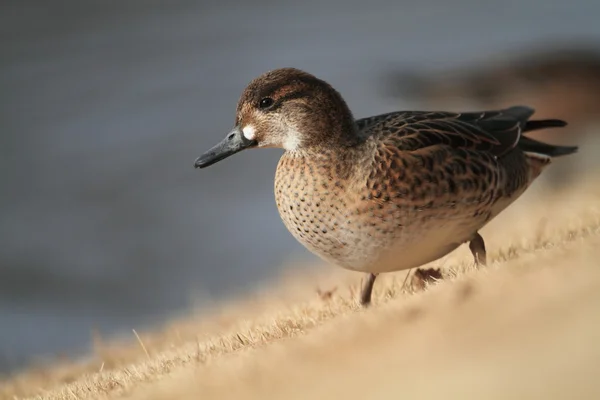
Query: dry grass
[{"x": 526, "y": 326}]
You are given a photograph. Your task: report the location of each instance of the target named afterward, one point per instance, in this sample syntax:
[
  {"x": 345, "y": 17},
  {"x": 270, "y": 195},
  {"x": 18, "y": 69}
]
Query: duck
[{"x": 389, "y": 192}]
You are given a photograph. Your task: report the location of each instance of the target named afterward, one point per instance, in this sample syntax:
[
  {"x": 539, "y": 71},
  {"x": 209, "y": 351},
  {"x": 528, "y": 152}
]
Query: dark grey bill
[{"x": 233, "y": 143}]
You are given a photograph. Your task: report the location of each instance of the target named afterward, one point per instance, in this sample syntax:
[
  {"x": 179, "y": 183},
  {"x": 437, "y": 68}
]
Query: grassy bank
[{"x": 526, "y": 326}]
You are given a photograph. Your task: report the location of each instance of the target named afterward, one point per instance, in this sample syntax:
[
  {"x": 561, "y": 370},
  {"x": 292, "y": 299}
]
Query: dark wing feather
[{"x": 494, "y": 132}]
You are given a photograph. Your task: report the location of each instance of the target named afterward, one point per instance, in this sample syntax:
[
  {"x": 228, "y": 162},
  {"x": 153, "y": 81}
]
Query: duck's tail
[
  {"x": 540, "y": 154},
  {"x": 521, "y": 114},
  {"x": 529, "y": 145}
]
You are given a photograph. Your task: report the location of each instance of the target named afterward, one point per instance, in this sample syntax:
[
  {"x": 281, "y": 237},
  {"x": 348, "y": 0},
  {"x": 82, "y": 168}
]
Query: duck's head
[{"x": 286, "y": 108}]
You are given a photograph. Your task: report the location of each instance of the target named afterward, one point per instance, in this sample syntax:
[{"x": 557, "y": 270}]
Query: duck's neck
[
  {"x": 336, "y": 161},
  {"x": 333, "y": 127},
  {"x": 345, "y": 132}
]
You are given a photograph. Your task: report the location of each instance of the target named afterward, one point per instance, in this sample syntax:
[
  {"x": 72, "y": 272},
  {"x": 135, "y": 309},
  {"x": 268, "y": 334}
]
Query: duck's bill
[{"x": 233, "y": 143}]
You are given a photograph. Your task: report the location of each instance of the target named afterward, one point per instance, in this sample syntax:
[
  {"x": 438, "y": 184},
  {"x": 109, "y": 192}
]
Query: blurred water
[{"x": 105, "y": 105}]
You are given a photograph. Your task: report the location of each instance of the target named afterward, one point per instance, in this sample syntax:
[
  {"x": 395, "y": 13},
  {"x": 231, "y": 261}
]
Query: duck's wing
[
  {"x": 492, "y": 132},
  {"x": 446, "y": 158}
]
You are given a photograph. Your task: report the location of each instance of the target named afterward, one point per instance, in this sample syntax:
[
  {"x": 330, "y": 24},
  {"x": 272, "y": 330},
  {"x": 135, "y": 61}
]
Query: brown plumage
[
  {"x": 389, "y": 192},
  {"x": 559, "y": 80}
]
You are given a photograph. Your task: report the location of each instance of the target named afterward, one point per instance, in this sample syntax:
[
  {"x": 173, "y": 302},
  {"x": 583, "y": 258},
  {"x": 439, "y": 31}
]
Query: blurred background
[{"x": 104, "y": 223}]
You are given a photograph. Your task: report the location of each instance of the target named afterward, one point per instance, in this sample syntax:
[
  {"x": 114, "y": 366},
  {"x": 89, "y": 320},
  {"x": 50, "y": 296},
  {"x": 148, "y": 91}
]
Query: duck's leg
[
  {"x": 367, "y": 289},
  {"x": 477, "y": 247}
]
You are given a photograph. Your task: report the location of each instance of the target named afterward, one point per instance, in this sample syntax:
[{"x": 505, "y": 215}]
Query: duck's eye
[{"x": 265, "y": 102}]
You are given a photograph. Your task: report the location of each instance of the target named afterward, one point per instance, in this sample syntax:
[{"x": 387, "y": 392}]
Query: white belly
[
  {"x": 409, "y": 248},
  {"x": 412, "y": 246}
]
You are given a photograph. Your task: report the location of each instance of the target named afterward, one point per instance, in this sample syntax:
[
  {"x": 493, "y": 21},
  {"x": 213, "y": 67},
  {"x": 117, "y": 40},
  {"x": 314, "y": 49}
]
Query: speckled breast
[{"x": 312, "y": 205}]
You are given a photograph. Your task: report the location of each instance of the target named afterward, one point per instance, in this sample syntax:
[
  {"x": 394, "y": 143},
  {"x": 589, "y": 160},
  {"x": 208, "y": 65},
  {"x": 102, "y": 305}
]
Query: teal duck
[{"x": 389, "y": 192}]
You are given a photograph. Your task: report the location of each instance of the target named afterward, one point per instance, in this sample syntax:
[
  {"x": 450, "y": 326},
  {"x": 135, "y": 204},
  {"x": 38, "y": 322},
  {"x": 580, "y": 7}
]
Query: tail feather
[
  {"x": 543, "y": 124},
  {"x": 532, "y": 146}
]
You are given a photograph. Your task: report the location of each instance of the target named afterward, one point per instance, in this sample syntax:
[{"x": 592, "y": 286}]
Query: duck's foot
[
  {"x": 477, "y": 247},
  {"x": 425, "y": 276},
  {"x": 367, "y": 290}
]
